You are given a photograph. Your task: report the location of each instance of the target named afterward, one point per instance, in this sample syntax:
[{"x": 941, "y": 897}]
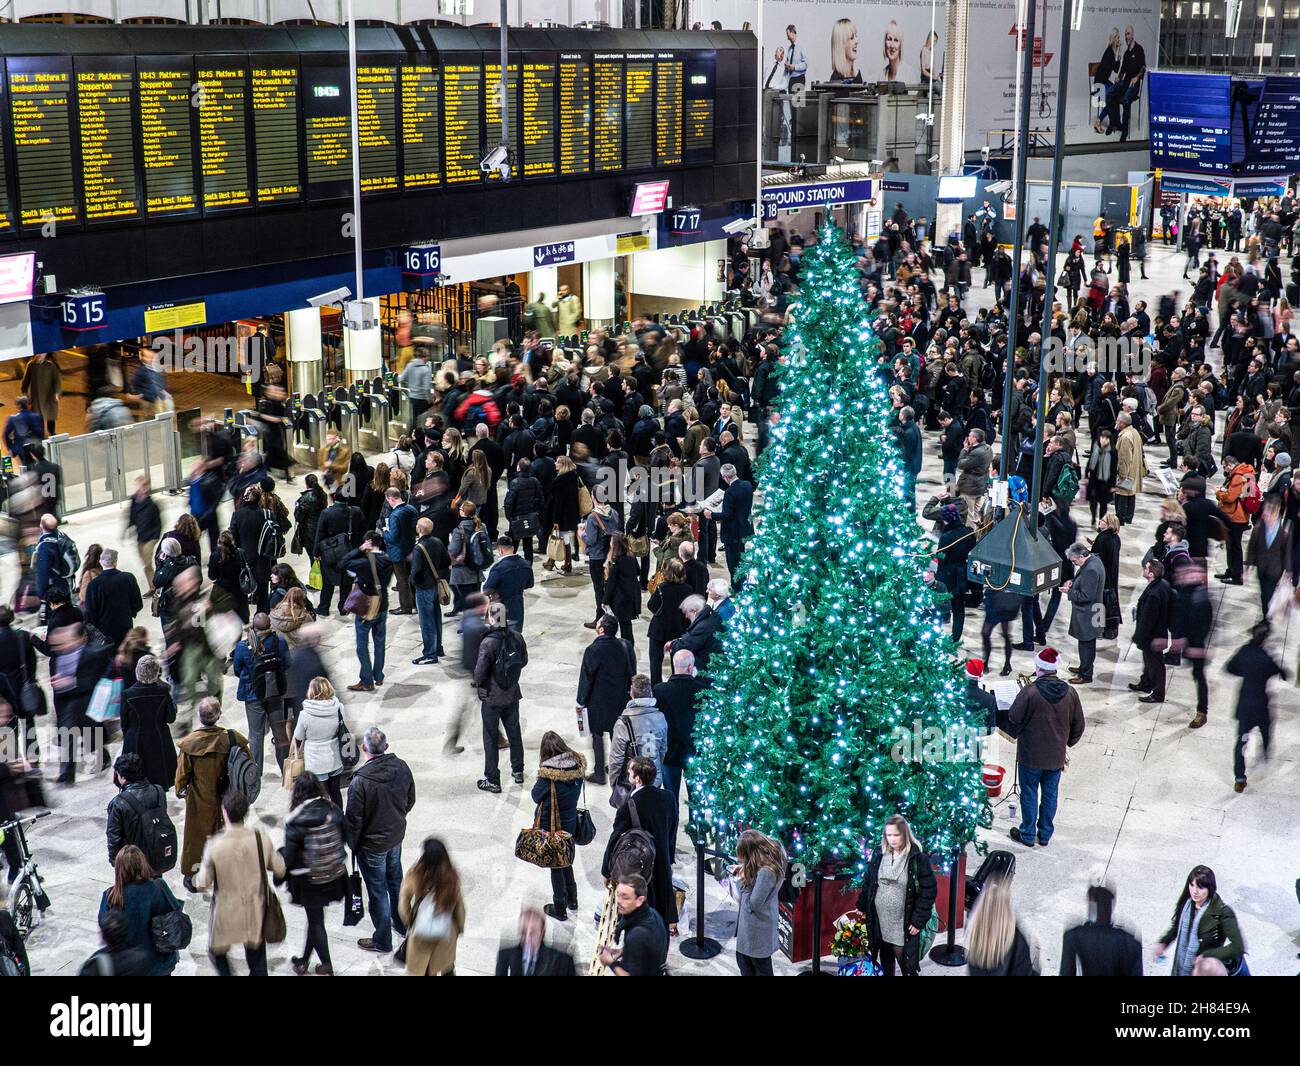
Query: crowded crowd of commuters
[{"x": 633, "y": 457}]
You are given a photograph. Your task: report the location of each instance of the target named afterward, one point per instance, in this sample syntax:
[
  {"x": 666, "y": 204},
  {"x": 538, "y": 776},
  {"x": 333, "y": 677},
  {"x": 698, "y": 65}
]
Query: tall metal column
[{"x": 952, "y": 111}]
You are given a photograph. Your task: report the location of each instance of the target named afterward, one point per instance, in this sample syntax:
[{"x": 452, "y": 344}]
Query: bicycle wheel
[{"x": 23, "y": 907}]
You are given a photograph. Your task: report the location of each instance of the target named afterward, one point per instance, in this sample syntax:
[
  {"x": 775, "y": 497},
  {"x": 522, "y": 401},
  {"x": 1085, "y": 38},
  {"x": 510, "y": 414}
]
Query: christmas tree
[{"x": 837, "y": 699}]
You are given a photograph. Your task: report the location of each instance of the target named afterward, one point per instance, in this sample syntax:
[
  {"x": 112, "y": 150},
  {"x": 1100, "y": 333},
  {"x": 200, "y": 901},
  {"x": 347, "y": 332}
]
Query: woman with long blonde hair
[
  {"x": 897, "y": 898},
  {"x": 995, "y": 947},
  {"x": 433, "y": 911},
  {"x": 758, "y": 877}
]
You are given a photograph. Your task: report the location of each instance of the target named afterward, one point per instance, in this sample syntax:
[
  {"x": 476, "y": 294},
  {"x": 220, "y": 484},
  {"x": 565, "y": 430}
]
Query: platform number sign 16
[
  {"x": 424, "y": 259},
  {"x": 82, "y": 311},
  {"x": 685, "y": 220}
]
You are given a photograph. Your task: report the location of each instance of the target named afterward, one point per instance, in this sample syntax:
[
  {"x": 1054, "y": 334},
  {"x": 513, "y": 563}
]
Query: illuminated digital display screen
[
  {"x": 106, "y": 109},
  {"x": 421, "y": 143},
  {"x": 40, "y": 107},
  {"x": 539, "y": 120},
  {"x": 492, "y": 108},
  {"x": 326, "y": 108},
  {"x": 6, "y": 208},
  {"x": 377, "y": 127},
  {"x": 639, "y": 113},
  {"x": 608, "y": 113},
  {"x": 275, "y": 133},
  {"x": 166, "y": 139},
  {"x": 668, "y": 111},
  {"x": 462, "y": 117},
  {"x": 575, "y": 115},
  {"x": 223, "y": 136},
  {"x": 697, "y": 125}
]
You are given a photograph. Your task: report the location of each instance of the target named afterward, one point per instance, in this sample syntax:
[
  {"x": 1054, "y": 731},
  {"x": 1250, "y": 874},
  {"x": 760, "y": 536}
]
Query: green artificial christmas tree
[{"x": 809, "y": 730}]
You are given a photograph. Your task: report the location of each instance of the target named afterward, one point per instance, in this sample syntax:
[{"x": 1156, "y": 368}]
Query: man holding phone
[{"x": 644, "y": 948}]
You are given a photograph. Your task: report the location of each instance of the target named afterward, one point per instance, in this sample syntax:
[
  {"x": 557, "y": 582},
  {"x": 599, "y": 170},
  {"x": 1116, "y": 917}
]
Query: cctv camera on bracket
[{"x": 329, "y": 299}]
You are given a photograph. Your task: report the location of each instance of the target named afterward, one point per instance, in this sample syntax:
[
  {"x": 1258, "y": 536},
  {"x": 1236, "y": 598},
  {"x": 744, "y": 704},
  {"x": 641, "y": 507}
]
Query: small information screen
[
  {"x": 421, "y": 143},
  {"x": 377, "y": 127},
  {"x": 697, "y": 123},
  {"x": 106, "y": 123},
  {"x": 223, "y": 135},
  {"x": 275, "y": 133},
  {"x": 539, "y": 120},
  {"x": 668, "y": 110},
  {"x": 326, "y": 107},
  {"x": 40, "y": 103},
  {"x": 166, "y": 136},
  {"x": 639, "y": 113}
]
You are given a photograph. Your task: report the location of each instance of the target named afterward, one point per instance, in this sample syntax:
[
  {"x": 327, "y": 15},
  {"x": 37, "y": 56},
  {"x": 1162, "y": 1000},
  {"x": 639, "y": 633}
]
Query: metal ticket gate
[{"x": 101, "y": 468}]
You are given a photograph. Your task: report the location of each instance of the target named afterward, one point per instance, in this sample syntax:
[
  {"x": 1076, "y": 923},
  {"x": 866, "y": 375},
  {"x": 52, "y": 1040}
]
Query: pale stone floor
[{"x": 1145, "y": 798}]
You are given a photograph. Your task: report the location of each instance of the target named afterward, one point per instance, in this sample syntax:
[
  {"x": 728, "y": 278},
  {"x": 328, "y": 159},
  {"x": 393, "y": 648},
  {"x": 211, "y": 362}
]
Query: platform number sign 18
[
  {"x": 424, "y": 259},
  {"x": 83, "y": 311},
  {"x": 684, "y": 220}
]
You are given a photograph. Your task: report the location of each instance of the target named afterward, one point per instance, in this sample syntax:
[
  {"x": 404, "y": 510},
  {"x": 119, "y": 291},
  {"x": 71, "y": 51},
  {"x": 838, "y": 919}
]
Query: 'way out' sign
[{"x": 550, "y": 254}]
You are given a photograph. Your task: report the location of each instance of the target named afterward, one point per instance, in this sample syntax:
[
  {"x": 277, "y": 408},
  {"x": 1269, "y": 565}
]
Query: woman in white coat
[{"x": 318, "y": 733}]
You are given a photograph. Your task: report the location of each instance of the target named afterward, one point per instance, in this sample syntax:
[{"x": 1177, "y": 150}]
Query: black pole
[
  {"x": 1049, "y": 264},
  {"x": 700, "y": 946},
  {"x": 951, "y": 953},
  {"x": 816, "y": 971},
  {"x": 1018, "y": 246}
]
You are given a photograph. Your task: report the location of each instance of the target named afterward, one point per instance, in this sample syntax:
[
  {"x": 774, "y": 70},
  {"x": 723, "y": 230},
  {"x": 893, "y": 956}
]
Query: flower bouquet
[{"x": 849, "y": 945}]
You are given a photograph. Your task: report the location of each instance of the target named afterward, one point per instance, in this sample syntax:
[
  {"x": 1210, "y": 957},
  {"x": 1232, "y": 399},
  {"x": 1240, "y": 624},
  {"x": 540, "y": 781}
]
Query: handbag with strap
[
  {"x": 444, "y": 590},
  {"x": 551, "y": 849},
  {"x": 348, "y": 752},
  {"x": 361, "y": 603},
  {"x": 170, "y": 931},
  {"x": 273, "y": 927},
  {"x": 585, "y": 831},
  {"x": 526, "y": 525},
  {"x": 638, "y": 545},
  {"x": 294, "y": 765},
  {"x": 355, "y": 908}
]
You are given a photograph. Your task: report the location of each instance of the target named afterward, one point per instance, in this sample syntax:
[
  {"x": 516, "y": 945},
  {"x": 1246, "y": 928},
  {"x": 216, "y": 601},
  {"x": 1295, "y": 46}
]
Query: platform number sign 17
[
  {"x": 685, "y": 220},
  {"x": 424, "y": 259}
]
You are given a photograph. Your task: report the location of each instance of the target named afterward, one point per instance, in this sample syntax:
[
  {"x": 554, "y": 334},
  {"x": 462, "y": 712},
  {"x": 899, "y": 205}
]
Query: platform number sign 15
[
  {"x": 424, "y": 259},
  {"x": 82, "y": 311},
  {"x": 684, "y": 220}
]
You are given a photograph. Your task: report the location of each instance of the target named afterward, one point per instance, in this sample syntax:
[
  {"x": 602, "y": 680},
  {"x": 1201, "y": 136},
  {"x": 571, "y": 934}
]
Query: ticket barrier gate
[
  {"x": 307, "y": 435},
  {"x": 372, "y": 418},
  {"x": 400, "y": 412},
  {"x": 349, "y": 417}
]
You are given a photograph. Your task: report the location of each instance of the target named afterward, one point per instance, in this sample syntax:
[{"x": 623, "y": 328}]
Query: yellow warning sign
[{"x": 174, "y": 316}]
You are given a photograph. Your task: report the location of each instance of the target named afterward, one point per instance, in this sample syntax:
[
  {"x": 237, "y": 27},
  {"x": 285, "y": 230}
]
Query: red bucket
[{"x": 993, "y": 776}]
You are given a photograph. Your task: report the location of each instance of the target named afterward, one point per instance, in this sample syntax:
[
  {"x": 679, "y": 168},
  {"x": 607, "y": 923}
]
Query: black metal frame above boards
[{"x": 226, "y": 234}]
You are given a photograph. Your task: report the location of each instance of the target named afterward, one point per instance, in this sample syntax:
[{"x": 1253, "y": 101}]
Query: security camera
[
  {"x": 876, "y": 163},
  {"x": 984, "y": 153},
  {"x": 837, "y": 159},
  {"x": 328, "y": 299},
  {"x": 997, "y": 188},
  {"x": 359, "y": 314},
  {"x": 740, "y": 225},
  {"x": 933, "y": 159},
  {"x": 497, "y": 162}
]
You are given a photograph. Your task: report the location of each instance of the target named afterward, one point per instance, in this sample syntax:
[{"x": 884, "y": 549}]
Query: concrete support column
[
  {"x": 598, "y": 290},
  {"x": 302, "y": 341},
  {"x": 952, "y": 138},
  {"x": 363, "y": 352}
]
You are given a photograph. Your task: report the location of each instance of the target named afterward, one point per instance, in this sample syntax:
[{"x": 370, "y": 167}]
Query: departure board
[
  {"x": 639, "y": 113},
  {"x": 608, "y": 111},
  {"x": 668, "y": 111},
  {"x": 575, "y": 115},
  {"x": 462, "y": 115},
  {"x": 166, "y": 141},
  {"x": 421, "y": 145},
  {"x": 40, "y": 102},
  {"x": 697, "y": 123},
  {"x": 326, "y": 107},
  {"x": 275, "y": 132},
  {"x": 377, "y": 127},
  {"x": 223, "y": 135},
  {"x": 6, "y": 208},
  {"x": 492, "y": 108},
  {"x": 539, "y": 120},
  {"x": 105, "y": 110}
]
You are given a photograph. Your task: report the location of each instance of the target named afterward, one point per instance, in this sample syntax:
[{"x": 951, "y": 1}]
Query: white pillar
[
  {"x": 302, "y": 341},
  {"x": 952, "y": 137},
  {"x": 544, "y": 281},
  {"x": 598, "y": 289},
  {"x": 714, "y": 286},
  {"x": 363, "y": 353}
]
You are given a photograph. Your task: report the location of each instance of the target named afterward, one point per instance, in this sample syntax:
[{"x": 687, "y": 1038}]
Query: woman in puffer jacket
[
  {"x": 314, "y": 859},
  {"x": 564, "y": 768},
  {"x": 317, "y": 731}
]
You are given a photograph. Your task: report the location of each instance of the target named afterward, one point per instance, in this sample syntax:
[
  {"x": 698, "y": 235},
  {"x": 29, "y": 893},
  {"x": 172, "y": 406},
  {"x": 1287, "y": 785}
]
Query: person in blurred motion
[
  {"x": 532, "y": 956},
  {"x": 1098, "y": 947},
  {"x": 433, "y": 910},
  {"x": 116, "y": 958},
  {"x": 563, "y": 769},
  {"x": 76, "y": 666},
  {"x": 199, "y": 773},
  {"x": 314, "y": 858},
  {"x": 642, "y": 948},
  {"x": 140, "y": 895},
  {"x": 995, "y": 946},
  {"x": 757, "y": 878},
  {"x": 1204, "y": 932}
]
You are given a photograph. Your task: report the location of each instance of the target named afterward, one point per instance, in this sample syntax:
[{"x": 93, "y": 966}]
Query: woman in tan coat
[
  {"x": 433, "y": 910},
  {"x": 234, "y": 866}
]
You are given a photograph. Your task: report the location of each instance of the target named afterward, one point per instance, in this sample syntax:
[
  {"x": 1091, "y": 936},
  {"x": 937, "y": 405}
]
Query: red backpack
[{"x": 1252, "y": 499}]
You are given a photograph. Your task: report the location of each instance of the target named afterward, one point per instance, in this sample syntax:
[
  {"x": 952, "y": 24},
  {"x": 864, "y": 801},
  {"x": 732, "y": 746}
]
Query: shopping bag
[
  {"x": 314, "y": 579},
  {"x": 106, "y": 701},
  {"x": 354, "y": 909}
]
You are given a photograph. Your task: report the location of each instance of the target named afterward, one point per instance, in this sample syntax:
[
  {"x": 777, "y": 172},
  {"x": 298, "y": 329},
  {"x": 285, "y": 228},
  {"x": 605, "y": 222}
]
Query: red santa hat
[
  {"x": 1045, "y": 661},
  {"x": 974, "y": 669}
]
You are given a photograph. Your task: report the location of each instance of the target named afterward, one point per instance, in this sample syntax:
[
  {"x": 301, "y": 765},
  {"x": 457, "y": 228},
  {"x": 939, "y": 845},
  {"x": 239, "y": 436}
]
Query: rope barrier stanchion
[
  {"x": 950, "y": 953},
  {"x": 816, "y": 969},
  {"x": 699, "y": 946}
]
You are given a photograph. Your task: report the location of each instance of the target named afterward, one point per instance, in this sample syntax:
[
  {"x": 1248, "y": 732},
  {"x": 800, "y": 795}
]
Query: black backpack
[
  {"x": 270, "y": 542},
  {"x": 154, "y": 833},
  {"x": 509, "y": 664},
  {"x": 480, "y": 549},
  {"x": 268, "y": 671},
  {"x": 634, "y": 853},
  {"x": 239, "y": 772}
]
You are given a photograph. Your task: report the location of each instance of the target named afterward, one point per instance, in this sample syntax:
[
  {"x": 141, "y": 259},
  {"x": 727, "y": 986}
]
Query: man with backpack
[
  {"x": 399, "y": 543},
  {"x": 641, "y": 836},
  {"x": 640, "y": 732},
  {"x": 56, "y": 560},
  {"x": 370, "y": 571},
  {"x": 502, "y": 656},
  {"x": 202, "y": 776},
  {"x": 260, "y": 661},
  {"x": 337, "y": 533},
  {"x": 138, "y": 815}
]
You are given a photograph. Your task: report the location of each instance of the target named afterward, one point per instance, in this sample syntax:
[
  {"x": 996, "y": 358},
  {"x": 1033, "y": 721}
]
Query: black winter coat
[
  {"x": 147, "y": 711},
  {"x": 623, "y": 588},
  {"x": 524, "y": 497},
  {"x": 1018, "y": 963},
  {"x": 1256, "y": 668},
  {"x": 299, "y": 822},
  {"x": 678, "y": 701},
  {"x": 566, "y": 772},
  {"x": 608, "y": 665},
  {"x": 922, "y": 891},
  {"x": 335, "y": 519},
  {"x": 562, "y": 507},
  {"x": 1153, "y": 609},
  {"x": 121, "y": 819},
  {"x": 667, "y": 621},
  {"x": 380, "y": 797}
]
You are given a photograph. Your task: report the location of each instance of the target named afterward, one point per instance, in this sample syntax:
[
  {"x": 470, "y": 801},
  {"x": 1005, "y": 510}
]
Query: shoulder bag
[
  {"x": 294, "y": 765},
  {"x": 354, "y": 908},
  {"x": 273, "y": 928},
  {"x": 361, "y": 603},
  {"x": 585, "y": 831},
  {"x": 347, "y": 744},
  {"x": 551, "y": 849},
  {"x": 170, "y": 931},
  {"x": 444, "y": 590}
]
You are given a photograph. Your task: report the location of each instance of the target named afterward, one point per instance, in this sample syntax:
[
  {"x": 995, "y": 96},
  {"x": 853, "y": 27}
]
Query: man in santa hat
[
  {"x": 1046, "y": 719},
  {"x": 983, "y": 704}
]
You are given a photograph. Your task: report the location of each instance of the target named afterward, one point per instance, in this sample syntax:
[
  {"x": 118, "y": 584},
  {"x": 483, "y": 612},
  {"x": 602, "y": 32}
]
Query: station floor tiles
[{"x": 1144, "y": 800}]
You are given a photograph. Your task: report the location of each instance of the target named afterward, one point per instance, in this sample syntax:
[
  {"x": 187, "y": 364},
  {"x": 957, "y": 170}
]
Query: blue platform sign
[
  {"x": 84, "y": 311},
  {"x": 551, "y": 254},
  {"x": 817, "y": 194},
  {"x": 423, "y": 259}
]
